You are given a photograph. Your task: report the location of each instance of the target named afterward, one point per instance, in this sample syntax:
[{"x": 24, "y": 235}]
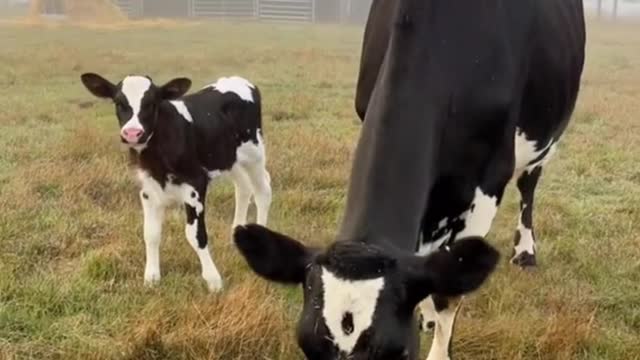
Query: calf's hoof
[
  {"x": 151, "y": 279},
  {"x": 214, "y": 283},
  {"x": 525, "y": 260}
]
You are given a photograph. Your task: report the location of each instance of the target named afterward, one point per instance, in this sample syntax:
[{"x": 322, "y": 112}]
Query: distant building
[{"x": 327, "y": 11}]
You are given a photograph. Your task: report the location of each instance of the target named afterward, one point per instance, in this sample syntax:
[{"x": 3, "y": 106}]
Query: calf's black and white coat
[{"x": 180, "y": 143}]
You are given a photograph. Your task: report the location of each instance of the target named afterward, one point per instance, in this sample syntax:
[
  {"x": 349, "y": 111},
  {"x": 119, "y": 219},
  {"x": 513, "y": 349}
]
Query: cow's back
[
  {"x": 223, "y": 121},
  {"x": 557, "y": 56}
]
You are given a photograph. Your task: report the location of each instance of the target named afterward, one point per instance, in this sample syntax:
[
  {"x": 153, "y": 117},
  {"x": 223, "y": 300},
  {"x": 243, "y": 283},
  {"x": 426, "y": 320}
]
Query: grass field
[{"x": 71, "y": 249}]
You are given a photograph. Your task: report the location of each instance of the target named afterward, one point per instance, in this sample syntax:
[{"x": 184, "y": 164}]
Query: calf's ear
[
  {"x": 98, "y": 85},
  {"x": 273, "y": 256},
  {"x": 459, "y": 269},
  {"x": 175, "y": 88}
]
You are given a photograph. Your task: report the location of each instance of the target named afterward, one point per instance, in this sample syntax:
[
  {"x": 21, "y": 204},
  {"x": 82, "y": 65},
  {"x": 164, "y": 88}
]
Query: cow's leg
[
  {"x": 153, "y": 211},
  {"x": 243, "y": 192},
  {"x": 261, "y": 183},
  {"x": 442, "y": 311},
  {"x": 446, "y": 310},
  {"x": 477, "y": 222},
  {"x": 524, "y": 251},
  {"x": 196, "y": 233}
]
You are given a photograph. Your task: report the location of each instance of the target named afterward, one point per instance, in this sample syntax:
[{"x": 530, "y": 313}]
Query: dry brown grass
[{"x": 233, "y": 326}]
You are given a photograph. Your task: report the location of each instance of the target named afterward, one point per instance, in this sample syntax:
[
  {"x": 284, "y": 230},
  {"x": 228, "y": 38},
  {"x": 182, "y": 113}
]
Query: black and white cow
[
  {"x": 180, "y": 143},
  {"x": 456, "y": 98}
]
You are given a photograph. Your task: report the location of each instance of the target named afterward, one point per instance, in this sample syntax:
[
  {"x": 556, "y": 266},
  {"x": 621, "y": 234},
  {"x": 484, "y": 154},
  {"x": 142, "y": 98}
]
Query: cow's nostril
[{"x": 132, "y": 134}]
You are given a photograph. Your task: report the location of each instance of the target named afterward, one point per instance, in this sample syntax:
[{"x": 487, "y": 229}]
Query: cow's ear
[
  {"x": 453, "y": 271},
  {"x": 273, "y": 256},
  {"x": 175, "y": 88},
  {"x": 98, "y": 85}
]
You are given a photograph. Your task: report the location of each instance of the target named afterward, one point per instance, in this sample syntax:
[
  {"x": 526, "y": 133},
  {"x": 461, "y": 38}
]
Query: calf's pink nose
[{"x": 132, "y": 134}]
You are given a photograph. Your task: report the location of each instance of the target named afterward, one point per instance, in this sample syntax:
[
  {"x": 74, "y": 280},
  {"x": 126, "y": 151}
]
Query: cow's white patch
[
  {"x": 139, "y": 147},
  {"x": 235, "y": 84},
  {"x": 214, "y": 174},
  {"x": 134, "y": 88},
  {"x": 428, "y": 311},
  {"x": 528, "y": 150},
  {"x": 171, "y": 193},
  {"x": 344, "y": 296},
  {"x": 209, "y": 271},
  {"x": 527, "y": 243},
  {"x": 181, "y": 108},
  {"x": 429, "y": 247},
  {"x": 249, "y": 152},
  {"x": 442, "y": 334},
  {"x": 478, "y": 219}
]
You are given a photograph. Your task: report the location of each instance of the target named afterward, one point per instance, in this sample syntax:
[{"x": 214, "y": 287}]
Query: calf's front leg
[
  {"x": 153, "y": 211},
  {"x": 196, "y": 233}
]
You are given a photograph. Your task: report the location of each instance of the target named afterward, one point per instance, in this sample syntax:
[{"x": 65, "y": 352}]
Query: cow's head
[
  {"x": 137, "y": 100},
  {"x": 359, "y": 299}
]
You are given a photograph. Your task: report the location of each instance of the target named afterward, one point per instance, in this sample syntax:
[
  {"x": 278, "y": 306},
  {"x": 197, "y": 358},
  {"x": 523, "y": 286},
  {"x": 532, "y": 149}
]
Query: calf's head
[
  {"x": 137, "y": 100},
  {"x": 359, "y": 299}
]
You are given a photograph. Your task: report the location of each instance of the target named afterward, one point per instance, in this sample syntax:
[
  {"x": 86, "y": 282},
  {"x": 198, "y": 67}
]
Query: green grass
[{"x": 71, "y": 249}]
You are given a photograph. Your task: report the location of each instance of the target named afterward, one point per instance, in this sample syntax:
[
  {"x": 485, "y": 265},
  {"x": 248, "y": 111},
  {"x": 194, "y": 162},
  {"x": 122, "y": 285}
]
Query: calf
[{"x": 180, "y": 143}]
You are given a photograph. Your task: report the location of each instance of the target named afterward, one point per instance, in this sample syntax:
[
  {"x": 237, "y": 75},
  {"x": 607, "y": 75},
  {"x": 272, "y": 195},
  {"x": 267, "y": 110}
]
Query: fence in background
[
  {"x": 331, "y": 11},
  {"x": 133, "y": 8}
]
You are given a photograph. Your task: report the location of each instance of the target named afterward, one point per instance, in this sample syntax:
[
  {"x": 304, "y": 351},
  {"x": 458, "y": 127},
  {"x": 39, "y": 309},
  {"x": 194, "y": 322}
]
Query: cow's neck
[{"x": 394, "y": 164}]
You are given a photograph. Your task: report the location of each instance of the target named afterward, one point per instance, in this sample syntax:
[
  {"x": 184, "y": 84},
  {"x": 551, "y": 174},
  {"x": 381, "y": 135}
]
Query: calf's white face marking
[
  {"x": 134, "y": 88},
  {"x": 235, "y": 84},
  {"x": 344, "y": 298}
]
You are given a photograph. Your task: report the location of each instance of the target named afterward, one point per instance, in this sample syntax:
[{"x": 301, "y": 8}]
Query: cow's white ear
[
  {"x": 273, "y": 256},
  {"x": 175, "y": 88},
  {"x": 98, "y": 85},
  {"x": 456, "y": 270}
]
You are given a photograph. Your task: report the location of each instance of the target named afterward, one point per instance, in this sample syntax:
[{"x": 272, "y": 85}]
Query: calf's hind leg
[
  {"x": 243, "y": 192},
  {"x": 262, "y": 193}
]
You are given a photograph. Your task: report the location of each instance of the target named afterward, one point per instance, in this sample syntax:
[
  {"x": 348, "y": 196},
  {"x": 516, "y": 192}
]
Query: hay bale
[{"x": 79, "y": 10}]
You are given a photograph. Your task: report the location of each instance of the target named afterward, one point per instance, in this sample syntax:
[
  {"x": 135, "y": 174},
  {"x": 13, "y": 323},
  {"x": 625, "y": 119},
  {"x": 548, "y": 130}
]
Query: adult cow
[{"x": 457, "y": 98}]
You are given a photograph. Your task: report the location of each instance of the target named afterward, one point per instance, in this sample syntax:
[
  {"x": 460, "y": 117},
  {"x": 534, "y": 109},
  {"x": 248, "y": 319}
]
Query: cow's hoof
[{"x": 525, "y": 261}]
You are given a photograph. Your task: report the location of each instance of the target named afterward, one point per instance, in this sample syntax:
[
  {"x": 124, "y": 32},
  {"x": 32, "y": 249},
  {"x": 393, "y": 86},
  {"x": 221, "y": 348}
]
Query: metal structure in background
[
  {"x": 329, "y": 11},
  {"x": 133, "y": 8},
  {"x": 222, "y": 8},
  {"x": 287, "y": 10},
  {"x": 614, "y": 12}
]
